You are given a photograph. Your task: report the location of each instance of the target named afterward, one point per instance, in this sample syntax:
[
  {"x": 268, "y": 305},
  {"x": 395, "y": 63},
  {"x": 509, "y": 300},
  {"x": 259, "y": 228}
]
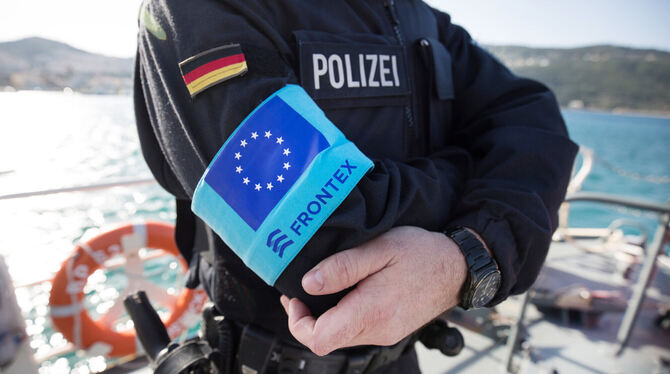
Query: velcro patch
[
  {"x": 211, "y": 67},
  {"x": 338, "y": 70}
]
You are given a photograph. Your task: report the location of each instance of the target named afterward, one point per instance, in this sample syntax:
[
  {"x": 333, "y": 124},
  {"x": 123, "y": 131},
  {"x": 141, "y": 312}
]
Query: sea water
[
  {"x": 54, "y": 140},
  {"x": 632, "y": 159}
]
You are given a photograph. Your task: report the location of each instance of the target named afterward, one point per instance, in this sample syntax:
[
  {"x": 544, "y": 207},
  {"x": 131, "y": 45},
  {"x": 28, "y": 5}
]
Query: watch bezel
[{"x": 477, "y": 288}]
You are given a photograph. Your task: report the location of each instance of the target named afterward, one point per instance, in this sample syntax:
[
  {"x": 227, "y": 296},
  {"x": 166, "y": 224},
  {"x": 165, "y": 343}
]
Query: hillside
[
  {"x": 37, "y": 63},
  {"x": 598, "y": 77}
]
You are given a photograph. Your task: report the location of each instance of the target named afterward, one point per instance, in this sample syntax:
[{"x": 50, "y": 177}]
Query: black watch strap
[{"x": 478, "y": 259}]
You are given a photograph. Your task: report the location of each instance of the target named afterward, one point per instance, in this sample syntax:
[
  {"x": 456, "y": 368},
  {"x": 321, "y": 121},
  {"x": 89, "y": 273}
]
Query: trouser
[{"x": 405, "y": 364}]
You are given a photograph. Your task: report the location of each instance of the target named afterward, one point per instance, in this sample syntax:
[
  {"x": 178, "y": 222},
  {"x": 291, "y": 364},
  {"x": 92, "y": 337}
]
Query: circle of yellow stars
[{"x": 286, "y": 165}]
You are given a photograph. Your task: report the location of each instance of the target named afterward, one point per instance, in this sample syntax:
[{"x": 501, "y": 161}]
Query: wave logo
[{"x": 278, "y": 245}]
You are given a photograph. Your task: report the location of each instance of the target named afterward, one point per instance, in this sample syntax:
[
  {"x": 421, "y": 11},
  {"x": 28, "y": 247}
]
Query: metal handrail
[
  {"x": 628, "y": 202},
  {"x": 576, "y": 182},
  {"x": 651, "y": 255},
  {"x": 587, "y": 165},
  {"x": 640, "y": 287},
  {"x": 90, "y": 187}
]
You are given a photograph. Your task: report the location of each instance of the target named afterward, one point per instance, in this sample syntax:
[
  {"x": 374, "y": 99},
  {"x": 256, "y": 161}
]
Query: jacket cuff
[{"x": 500, "y": 240}]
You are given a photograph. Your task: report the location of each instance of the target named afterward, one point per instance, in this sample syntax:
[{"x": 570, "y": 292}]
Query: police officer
[{"x": 470, "y": 161}]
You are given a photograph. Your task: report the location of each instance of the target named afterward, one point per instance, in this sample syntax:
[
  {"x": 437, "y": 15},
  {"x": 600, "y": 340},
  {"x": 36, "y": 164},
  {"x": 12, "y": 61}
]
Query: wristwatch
[{"x": 483, "y": 280}]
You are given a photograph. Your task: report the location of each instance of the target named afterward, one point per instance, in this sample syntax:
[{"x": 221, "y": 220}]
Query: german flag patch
[{"x": 212, "y": 67}]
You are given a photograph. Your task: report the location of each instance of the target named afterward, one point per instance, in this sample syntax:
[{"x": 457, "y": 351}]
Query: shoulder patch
[
  {"x": 150, "y": 23},
  {"x": 212, "y": 66}
]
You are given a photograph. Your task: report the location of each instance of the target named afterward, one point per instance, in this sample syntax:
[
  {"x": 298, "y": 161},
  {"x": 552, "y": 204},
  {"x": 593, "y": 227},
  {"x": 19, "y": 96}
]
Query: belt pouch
[{"x": 254, "y": 351}]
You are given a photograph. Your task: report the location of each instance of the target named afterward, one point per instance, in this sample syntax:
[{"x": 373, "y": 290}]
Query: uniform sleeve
[{"x": 522, "y": 158}]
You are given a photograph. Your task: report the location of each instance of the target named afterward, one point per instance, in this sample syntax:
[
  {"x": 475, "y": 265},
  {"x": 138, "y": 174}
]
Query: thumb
[{"x": 344, "y": 269}]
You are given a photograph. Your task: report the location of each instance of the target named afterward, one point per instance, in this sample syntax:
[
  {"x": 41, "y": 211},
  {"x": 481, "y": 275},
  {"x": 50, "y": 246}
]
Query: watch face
[{"x": 486, "y": 289}]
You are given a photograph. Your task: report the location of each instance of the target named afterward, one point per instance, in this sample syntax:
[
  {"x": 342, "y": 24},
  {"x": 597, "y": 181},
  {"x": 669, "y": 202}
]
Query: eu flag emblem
[
  {"x": 264, "y": 159},
  {"x": 276, "y": 179}
]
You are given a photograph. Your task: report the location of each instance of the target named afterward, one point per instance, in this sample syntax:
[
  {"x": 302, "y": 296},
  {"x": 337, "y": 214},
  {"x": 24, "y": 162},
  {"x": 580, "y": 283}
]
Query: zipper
[{"x": 393, "y": 16}]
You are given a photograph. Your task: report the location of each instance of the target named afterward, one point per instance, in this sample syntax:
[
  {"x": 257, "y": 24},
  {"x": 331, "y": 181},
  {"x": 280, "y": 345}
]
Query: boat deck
[{"x": 554, "y": 345}]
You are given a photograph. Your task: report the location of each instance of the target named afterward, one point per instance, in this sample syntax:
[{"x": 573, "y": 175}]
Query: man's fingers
[
  {"x": 336, "y": 328},
  {"x": 343, "y": 270},
  {"x": 300, "y": 322},
  {"x": 340, "y": 326},
  {"x": 284, "y": 300},
  {"x": 356, "y": 320}
]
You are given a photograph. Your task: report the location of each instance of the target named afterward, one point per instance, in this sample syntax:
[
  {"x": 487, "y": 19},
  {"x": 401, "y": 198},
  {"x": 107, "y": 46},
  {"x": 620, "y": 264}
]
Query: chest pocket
[
  {"x": 362, "y": 83},
  {"x": 438, "y": 60}
]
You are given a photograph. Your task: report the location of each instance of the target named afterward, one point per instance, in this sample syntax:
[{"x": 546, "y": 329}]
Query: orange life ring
[{"x": 67, "y": 292}]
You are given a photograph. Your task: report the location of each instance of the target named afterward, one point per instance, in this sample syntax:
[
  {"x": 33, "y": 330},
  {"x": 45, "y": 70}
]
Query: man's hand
[{"x": 404, "y": 279}]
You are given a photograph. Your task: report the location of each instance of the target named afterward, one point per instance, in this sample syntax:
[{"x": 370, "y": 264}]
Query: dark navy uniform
[{"x": 456, "y": 138}]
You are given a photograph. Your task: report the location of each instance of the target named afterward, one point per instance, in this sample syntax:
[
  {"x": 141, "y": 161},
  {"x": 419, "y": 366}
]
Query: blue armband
[{"x": 276, "y": 179}]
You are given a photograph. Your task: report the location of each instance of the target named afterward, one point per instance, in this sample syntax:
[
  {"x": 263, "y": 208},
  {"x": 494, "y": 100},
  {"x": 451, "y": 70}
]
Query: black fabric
[
  {"x": 494, "y": 155},
  {"x": 405, "y": 364},
  {"x": 256, "y": 349},
  {"x": 184, "y": 228}
]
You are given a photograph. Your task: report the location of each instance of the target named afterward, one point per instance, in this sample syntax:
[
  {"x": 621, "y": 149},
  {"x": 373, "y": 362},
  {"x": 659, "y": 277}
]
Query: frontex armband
[{"x": 276, "y": 179}]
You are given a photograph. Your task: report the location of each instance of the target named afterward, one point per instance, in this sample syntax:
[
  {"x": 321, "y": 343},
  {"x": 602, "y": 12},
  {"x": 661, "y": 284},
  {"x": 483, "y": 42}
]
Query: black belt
[
  {"x": 261, "y": 352},
  {"x": 226, "y": 347}
]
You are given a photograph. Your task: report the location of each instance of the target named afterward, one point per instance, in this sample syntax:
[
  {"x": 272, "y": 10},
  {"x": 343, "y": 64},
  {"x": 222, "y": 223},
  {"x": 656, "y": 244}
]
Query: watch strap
[{"x": 477, "y": 259}]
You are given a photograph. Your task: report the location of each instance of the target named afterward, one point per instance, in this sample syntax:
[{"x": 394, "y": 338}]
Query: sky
[{"x": 109, "y": 26}]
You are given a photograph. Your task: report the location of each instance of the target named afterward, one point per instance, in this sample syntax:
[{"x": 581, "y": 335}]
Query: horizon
[
  {"x": 540, "y": 24},
  {"x": 564, "y": 48}
]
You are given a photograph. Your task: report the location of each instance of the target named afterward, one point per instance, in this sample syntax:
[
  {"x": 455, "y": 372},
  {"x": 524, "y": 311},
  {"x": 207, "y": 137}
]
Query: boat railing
[
  {"x": 576, "y": 182},
  {"x": 624, "y": 201},
  {"x": 651, "y": 254},
  {"x": 84, "y": 188},
  {"x": 81, "y": 188},
  {"x": 579, "y": 176}
]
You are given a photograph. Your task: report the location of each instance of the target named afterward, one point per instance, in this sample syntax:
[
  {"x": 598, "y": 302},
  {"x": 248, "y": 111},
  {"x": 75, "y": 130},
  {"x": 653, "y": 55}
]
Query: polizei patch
[{"x": 334, "y": 70}]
